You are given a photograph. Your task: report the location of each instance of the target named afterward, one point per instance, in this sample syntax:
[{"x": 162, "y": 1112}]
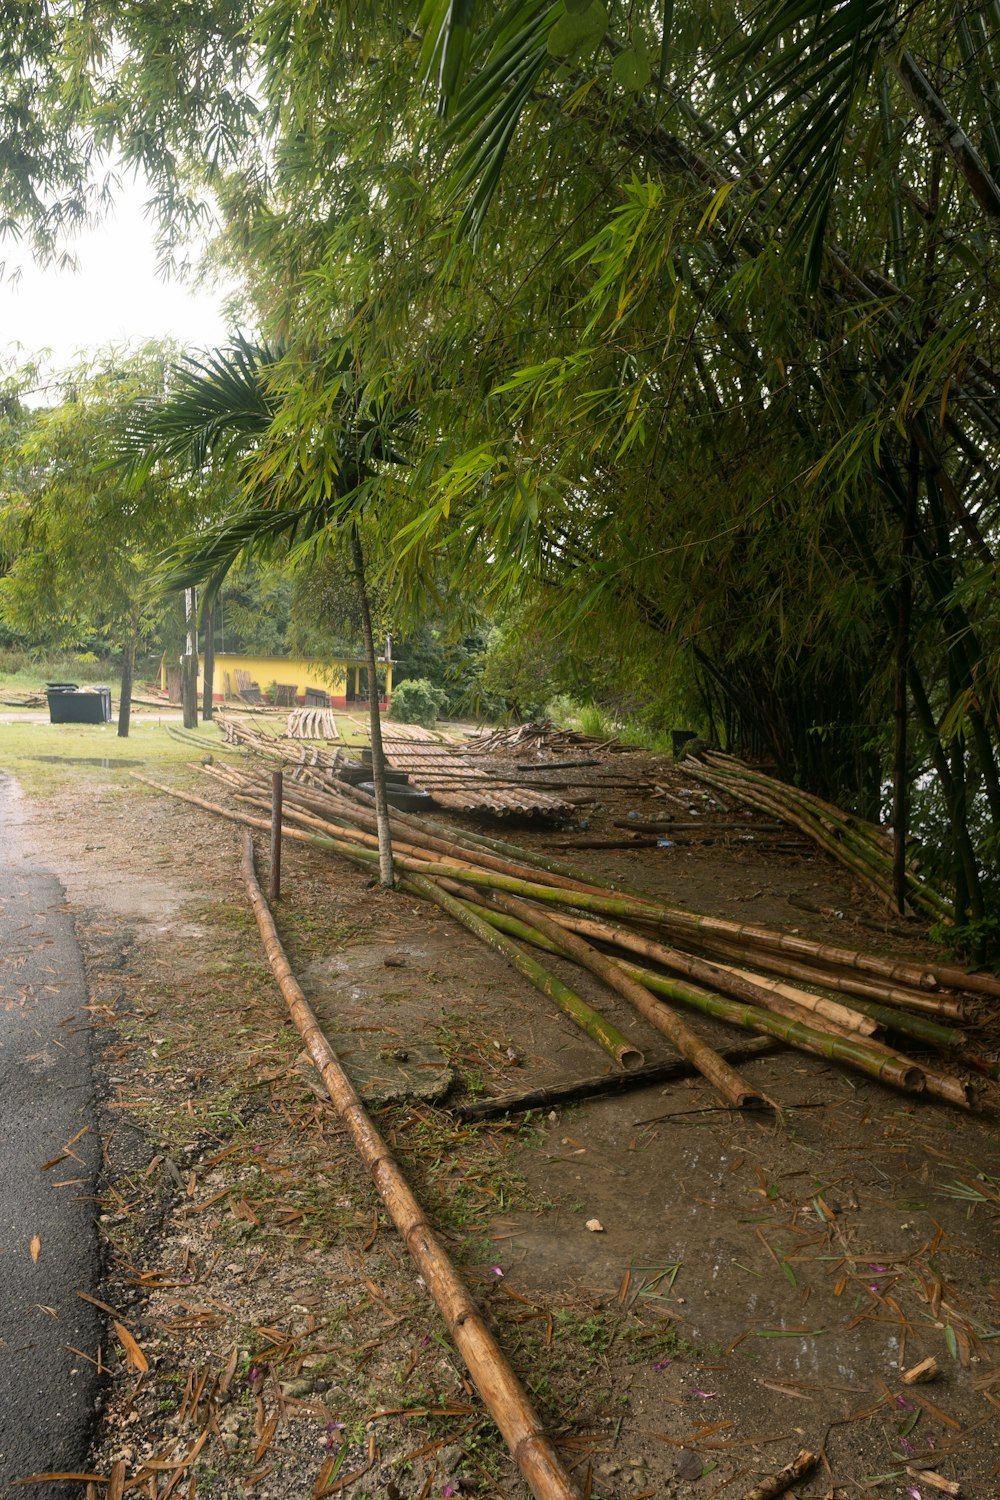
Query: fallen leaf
[
  {"x": 36, "y": 1249},
  {"x": 133, "y": 1354}
]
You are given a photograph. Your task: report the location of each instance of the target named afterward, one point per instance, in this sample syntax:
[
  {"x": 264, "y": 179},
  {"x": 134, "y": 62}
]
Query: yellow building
[{"x": 342, "y": 682}]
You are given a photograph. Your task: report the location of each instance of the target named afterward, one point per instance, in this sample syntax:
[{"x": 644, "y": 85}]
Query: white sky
[{"x": 114, "y": 297}]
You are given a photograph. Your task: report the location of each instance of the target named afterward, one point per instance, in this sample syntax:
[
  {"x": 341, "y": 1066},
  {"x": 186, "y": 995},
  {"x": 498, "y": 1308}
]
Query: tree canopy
[{"x": 694, "y": 308}]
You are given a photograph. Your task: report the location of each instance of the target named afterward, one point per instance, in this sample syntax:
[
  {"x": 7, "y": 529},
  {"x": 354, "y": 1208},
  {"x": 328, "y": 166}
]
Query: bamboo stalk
[
  {"x": 820, "y": 1005},
  {"x": 738, "y": 983},
  {"x": 857, "y": 1052},
  {"x": 497, "y": 1384},
  {"x": 596, "y": 1026},
  {"x": 831, "y": 959},
  {"x": 940, "y": 1085},
  {"x": 865, "y": 848},
  {"x": 721, "y": 1075},
  {"x": 547, "y": 1095},
  {"x": 862, "y": 1055},
  {"x": 875, "y": 1058},
  {"x": 948, "y": 1006}
]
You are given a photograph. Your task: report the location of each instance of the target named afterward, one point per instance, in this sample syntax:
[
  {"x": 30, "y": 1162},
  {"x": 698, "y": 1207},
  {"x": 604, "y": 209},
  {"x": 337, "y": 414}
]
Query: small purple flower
[
  {"x": 906, "y": 1445},
  {"x": 449, "y": 1490},
  {"x": 497, "y": 1270},
  {"x": 425, "y": 1341},
  {"x": 880, "y": 1269},
  {"x": 661, "y": 1364},
  {"x": 912, "y": 1491},
  {"x": 706, "y": 1395},
  {"x": 253, "y": 1376},
  {"x": 902, "y": 1401},
  {"x": 873, "y": 1286}
]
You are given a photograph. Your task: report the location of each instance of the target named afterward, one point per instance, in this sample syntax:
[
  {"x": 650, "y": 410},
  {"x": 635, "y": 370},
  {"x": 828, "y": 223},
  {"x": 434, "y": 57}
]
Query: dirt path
[{"x": 753, "y": 1289}]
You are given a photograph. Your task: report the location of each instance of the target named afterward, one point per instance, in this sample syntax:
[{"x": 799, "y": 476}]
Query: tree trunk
[
  {"x": 900, "y": 790},
  {"x": 128, "y": 672},
  {"x": 189, "y": 663},
  {"x": 378, "y": 758},
  {"x": 207, "y": 707}
]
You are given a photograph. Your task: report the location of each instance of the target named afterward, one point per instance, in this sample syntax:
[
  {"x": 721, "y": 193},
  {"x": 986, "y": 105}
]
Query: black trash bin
[{"x": 69, "y": 704}]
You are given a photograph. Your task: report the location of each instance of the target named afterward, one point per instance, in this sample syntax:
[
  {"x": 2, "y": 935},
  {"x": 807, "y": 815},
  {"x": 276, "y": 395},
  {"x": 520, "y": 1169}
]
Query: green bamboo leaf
[
  {"x": 576, "y": 30},
  {"x": 631, "y": 71}
]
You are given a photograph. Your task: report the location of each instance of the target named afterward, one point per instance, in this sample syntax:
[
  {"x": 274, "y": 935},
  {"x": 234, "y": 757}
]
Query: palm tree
[{"x": 225, "y": 411}]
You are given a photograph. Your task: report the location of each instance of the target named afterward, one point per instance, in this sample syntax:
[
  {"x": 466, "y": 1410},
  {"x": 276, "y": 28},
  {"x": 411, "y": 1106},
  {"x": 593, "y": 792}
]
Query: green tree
[
  {"x": 81, "y": 552},
  {"x": 226, "y": 409}
]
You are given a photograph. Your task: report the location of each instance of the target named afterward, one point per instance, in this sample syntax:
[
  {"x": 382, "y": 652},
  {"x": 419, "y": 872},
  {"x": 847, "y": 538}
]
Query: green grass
[{"x": 40, "y": 756}]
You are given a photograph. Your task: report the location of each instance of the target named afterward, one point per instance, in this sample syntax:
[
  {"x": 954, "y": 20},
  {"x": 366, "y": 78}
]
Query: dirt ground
[{"x": 754, "y": 1288}]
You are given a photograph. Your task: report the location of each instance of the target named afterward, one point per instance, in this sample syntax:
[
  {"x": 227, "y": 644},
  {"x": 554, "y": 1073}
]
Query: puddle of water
[{"x": 104, "y": 761}]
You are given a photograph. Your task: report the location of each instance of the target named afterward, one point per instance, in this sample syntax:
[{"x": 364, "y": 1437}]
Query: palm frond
[{"x": 223, "y": 403}]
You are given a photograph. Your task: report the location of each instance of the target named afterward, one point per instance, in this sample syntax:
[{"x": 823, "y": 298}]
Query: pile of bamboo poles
[
  {"x": 661, "y": 959},
  {"x": 275, "y": 747},
  {"x": 865, "y": 849},
  {"x": 535, "y": 738}
]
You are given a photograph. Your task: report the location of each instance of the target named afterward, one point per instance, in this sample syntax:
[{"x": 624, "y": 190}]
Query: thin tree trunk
[
  {"x": 207, "y": 706},
  {"x": 128, "y": 672},
  {"x": 378, "y": 758},
  {"x": 900, "y": 791},
  {"x": 189, "y": 665}
]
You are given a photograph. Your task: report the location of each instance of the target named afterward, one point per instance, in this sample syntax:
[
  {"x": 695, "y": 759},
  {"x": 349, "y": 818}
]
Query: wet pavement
[{"x": 50, "y": 1152}]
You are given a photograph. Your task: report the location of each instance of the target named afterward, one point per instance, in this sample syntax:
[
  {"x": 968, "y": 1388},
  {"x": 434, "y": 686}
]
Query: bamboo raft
[
  {"x": 456, "y": 784},
  {"x": 544, "y": 738}
]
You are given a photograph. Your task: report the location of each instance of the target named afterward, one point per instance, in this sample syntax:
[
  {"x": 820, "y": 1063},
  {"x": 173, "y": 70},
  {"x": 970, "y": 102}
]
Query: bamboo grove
[{"x": 691, "y": 312}]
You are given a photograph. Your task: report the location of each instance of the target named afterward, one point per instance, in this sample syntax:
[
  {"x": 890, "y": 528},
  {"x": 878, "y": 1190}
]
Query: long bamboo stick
[
  {"x": 857, "y": 1052},
  {"x": 863, "y": 847},
  {"x": 502, "y": 1392},
  {"x": 942, "y": 1085},
  {"x": 545, "y": 1096},
  {"x": 737, "y": 983},
  {"x": 596, "y": 1026},
  {"x": 877, "y": 1059},
  {"x": 625, "y": 1053},
  {"x": 842, "y": 963},
  {"x": 929, "y": 1002},
  {"x": 721, "y": 1075}
]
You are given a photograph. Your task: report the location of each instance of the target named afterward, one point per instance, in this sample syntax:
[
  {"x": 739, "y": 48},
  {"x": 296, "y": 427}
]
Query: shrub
[{"x": 417, "y": 701}]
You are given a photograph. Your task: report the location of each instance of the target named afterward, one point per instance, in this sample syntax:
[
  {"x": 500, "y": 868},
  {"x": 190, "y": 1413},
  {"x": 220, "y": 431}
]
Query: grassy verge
[{"x": 43, "y": 756}]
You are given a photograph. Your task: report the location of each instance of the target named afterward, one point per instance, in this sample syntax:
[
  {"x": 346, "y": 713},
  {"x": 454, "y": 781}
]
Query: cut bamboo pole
[
  {"x": 738, "y": 983},
  {"x": 805, "y": 1000},
  {"x": 548, "y": 1095},
  {"x": 496, "y": 1382},
  {"x": 928, "y": 1002},
  {"x": 720, "y": 1074},
  {"x": 872, "y": 1057},
  {"x": 625, "y": 1053},
  {"x": 859, "y": 1052}
]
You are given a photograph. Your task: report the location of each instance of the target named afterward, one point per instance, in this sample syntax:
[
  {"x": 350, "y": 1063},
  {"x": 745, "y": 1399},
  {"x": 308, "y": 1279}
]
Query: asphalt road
[{"x": 48, "y": 1239}]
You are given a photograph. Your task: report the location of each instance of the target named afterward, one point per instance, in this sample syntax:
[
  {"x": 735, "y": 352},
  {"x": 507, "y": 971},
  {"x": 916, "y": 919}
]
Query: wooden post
[
  {"x": 275, "y": 886},
  {"x": 208, "y": 701}
]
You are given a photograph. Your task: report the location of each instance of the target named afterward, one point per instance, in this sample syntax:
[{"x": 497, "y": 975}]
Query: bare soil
[{"x": 753, "y": 1288}]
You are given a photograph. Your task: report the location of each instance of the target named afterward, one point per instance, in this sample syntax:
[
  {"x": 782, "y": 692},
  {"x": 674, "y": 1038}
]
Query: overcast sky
[{"x": 115, "y": 296}]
